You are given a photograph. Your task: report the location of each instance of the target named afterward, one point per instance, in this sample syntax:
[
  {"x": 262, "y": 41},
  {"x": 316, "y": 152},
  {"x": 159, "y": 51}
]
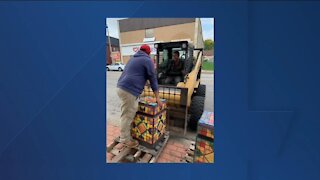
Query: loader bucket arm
[{"x": 191, "y": 79}]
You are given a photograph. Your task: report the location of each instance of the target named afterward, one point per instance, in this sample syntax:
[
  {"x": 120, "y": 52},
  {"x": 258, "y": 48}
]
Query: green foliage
[
  {"x": 209, "y": 66},
  {"x": 208, "y": 44}
]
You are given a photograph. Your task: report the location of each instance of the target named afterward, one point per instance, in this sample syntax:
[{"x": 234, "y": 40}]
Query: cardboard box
[
  {"x": 206, "y": 125},
  {"x": 204, "y": 152}
]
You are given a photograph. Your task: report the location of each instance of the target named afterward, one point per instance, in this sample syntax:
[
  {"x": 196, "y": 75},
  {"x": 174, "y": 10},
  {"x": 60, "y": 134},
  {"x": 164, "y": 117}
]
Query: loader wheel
[
  {"x": 196, "y": 110},
  {"x": 201, "y": 91}
]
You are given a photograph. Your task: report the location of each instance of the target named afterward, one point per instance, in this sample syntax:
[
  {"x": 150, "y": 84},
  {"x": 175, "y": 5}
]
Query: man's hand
[
  {"x": 156, "y": 93},
  {"x": 159, "y": 102}
]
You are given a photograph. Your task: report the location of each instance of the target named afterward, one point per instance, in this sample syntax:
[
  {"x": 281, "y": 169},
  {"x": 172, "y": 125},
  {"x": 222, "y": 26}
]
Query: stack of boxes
[
  {"x": 149, "y": 124},
  {"x": 204, "y": 152}
]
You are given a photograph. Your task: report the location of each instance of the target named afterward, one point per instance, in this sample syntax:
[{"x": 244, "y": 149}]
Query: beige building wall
[
  {"x": 166, "y": 33},
  {"x": 132, "y": 37},
  {"x": 175, "y": 32},
  {"x": 198, "y": 34},
  {"x": 190, "y": 31},
  {"x": 125, "y": 59},
  {"x": 200, "y": 43}
]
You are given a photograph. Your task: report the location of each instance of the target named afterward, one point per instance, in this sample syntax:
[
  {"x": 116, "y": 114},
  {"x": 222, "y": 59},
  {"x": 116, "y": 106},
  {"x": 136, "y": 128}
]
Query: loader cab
[{"x": 164, "y": 56}]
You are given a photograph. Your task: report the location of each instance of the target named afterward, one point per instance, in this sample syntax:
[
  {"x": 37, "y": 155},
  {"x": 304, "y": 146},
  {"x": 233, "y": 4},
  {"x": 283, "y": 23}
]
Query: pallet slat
[
  {"x": 153, "y": 160},
  {"x": 130, "y": 158},
  {"x": 111, "y": 146},
  {"x": 121, "y": 155},
  {"x": 189, "y": 159},
  {"x": 192, "y": 147},
  {"x": 146, "y": 158},
  {"x": 115, "y": 152},
  {"x": 190, "y": 152},
  {"x": 137, "y": 154}
]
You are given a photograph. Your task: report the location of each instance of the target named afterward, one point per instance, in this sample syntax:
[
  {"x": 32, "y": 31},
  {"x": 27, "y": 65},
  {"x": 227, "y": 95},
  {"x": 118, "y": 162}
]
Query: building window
[{"x": 149, "y": 33}]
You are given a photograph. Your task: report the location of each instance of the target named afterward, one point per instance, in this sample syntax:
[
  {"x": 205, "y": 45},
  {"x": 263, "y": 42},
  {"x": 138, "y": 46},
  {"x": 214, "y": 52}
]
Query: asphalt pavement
[{"x": 113, "y": 105}]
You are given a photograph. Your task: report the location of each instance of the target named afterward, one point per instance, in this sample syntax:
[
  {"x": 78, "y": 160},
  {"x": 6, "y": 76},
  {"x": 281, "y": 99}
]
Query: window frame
[{"x": 148, "y": 32}]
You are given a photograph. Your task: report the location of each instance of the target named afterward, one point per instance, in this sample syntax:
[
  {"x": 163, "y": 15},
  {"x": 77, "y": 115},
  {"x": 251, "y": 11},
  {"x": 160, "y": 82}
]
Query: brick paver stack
[
  {"x": 204, "y": 151},
  {"x": 149, "y": 124}
]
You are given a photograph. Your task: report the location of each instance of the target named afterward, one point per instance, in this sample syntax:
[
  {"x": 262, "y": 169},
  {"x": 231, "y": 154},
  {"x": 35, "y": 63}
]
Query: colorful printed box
[
  {"x": 204, "y": 152},
  {"x": 206, "y": 125},
  {"x": 149, "y": 129},
  {"x": 148, "y": 105}
]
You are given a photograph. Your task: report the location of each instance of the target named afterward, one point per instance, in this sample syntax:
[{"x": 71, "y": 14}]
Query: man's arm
[
  {"x": 156, "y": 94},
  {"x": 151, "y": 75},
  {"x": 153, "y": 80}
]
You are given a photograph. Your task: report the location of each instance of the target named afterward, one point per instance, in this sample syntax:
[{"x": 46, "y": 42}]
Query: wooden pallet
[
  {"x": 140, "y": 154},
  {"x": 188, "y": 158}
]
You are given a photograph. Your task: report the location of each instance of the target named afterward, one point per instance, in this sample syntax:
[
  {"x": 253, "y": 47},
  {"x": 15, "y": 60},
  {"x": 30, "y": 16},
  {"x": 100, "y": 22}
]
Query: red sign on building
[{"x": 115, "y": 55}]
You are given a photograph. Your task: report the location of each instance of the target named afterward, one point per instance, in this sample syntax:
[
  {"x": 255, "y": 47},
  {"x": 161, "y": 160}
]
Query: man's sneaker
[{"x": 132, "y": 144}]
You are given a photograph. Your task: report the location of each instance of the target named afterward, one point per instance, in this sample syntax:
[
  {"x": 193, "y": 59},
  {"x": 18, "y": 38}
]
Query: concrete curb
[{"x": 207, "y": 72}]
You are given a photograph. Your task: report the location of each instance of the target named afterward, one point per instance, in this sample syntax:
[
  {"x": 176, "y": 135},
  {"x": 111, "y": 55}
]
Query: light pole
[{"x": 109, "y": 44}]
